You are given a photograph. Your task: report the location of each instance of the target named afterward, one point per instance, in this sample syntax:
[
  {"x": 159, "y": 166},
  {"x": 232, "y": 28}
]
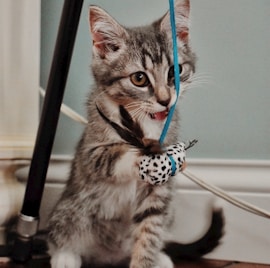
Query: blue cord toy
[
  {"x": 157, "y": 169},
  {"x": 176, "y": 72}
]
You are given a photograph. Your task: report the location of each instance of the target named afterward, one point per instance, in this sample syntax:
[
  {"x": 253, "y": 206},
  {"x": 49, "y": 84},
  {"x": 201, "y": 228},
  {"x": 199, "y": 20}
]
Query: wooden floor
[
  {"x": 219, "y": 264},
  {"x": 44, "y": 263}
]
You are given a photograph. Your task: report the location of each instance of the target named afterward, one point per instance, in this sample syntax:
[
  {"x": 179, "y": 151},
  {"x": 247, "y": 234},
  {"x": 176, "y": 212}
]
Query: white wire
[
  {"x": 229, "y": 198},
  {"x": 68, "y": 111},
  {"x": 209, "y": 187}
]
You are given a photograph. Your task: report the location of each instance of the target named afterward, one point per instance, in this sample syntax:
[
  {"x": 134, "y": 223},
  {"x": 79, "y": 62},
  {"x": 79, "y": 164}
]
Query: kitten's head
[{"x": 134, "y": 66}]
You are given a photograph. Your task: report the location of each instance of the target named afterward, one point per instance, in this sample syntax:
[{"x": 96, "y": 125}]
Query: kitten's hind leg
[{"x": 65, "y": 259}]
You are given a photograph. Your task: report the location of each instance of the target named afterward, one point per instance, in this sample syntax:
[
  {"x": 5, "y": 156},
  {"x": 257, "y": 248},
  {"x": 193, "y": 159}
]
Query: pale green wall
[{"x": 230, "y": 113}]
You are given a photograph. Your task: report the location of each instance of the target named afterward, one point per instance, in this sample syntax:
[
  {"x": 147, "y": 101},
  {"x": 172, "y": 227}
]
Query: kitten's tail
[{"x": 206, "y": 244}]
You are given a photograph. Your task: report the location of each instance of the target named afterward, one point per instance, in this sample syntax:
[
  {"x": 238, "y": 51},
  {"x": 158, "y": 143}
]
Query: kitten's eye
[
  {"x": 171, "y": 72},
  {"x": 139, "y": 79}
]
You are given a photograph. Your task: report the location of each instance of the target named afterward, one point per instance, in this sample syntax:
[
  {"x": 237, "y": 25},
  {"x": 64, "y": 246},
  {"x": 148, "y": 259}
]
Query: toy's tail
[{"x": 206, "y": 244}]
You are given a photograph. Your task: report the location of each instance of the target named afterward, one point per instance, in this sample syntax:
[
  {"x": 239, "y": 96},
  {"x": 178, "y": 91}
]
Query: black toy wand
[{"x": 29, "y": 217}]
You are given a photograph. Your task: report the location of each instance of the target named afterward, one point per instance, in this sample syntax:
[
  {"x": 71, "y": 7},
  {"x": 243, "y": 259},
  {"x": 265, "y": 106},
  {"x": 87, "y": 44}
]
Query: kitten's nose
[{"x": 164, "y": 102}]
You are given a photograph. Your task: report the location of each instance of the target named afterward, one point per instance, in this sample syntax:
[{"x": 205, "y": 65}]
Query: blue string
[
  {"x": 176, "y": 73},
  {"x": 173, "y": 165}
]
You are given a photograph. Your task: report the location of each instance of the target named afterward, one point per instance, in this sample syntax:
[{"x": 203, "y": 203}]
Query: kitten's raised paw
[{"x": 65, "y": 259}]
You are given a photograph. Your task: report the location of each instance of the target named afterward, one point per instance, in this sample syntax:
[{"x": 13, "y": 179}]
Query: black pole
[{"x": 28, "y": 219}]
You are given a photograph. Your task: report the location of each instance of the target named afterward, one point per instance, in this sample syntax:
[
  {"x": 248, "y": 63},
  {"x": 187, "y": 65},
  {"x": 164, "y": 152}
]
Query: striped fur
[{"x": 107, "y": 215}]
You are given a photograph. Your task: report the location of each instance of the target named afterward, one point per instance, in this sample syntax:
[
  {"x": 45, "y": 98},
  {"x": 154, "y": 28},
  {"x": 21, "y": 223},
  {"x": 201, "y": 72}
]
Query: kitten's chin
[{"x": 159, "y": 116}]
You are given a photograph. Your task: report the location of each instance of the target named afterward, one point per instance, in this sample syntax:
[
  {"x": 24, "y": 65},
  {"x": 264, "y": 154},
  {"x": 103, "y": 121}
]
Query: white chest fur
[{"x": 152, "y": 128}]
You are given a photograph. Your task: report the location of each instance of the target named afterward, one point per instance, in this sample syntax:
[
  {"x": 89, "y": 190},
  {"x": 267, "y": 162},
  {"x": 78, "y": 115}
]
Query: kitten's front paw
[{"x": 65, "y": 259}]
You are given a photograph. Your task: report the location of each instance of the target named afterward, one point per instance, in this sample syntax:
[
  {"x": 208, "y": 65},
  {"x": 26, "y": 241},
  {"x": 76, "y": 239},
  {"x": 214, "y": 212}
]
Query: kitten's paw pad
[
  {"x": 157, "y": 169},
  {"x": 65, "y": 259}
]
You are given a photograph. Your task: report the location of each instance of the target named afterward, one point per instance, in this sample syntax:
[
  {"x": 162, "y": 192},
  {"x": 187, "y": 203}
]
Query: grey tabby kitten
[{"x": 107, "y": 215}]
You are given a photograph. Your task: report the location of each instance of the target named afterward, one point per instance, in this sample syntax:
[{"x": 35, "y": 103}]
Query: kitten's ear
[
  {"x": 182, "y": 8},
  {"x": 107, "y": 34}
]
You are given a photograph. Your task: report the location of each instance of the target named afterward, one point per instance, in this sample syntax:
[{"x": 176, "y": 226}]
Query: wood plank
[
  {"x": 203, "y": 264},
  {"x": 44, "y": 263}
]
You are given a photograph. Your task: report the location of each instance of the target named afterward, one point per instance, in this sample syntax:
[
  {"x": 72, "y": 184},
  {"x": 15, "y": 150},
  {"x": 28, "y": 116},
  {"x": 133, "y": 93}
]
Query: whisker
[
  {"x": 133, "y": 105},
  {"x": 137, "y": 109},
  {"x": 201, "y": 78},
  {"x": 198, "y": 80},
  {"x": 136, "y": 113},
  {"x": 96, "y": 99}
]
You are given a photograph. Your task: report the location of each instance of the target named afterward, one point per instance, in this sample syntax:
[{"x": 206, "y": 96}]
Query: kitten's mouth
[{"x": 160, "y": 116}]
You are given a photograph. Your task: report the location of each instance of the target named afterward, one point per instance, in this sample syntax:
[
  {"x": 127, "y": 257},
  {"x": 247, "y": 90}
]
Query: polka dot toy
[{"x": 157, "y": 169}]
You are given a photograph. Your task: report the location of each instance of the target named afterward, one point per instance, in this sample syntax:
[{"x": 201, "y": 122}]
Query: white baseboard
[
  {"x": 246, "y": 236},
  {"x": 11, "y": 193}
]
